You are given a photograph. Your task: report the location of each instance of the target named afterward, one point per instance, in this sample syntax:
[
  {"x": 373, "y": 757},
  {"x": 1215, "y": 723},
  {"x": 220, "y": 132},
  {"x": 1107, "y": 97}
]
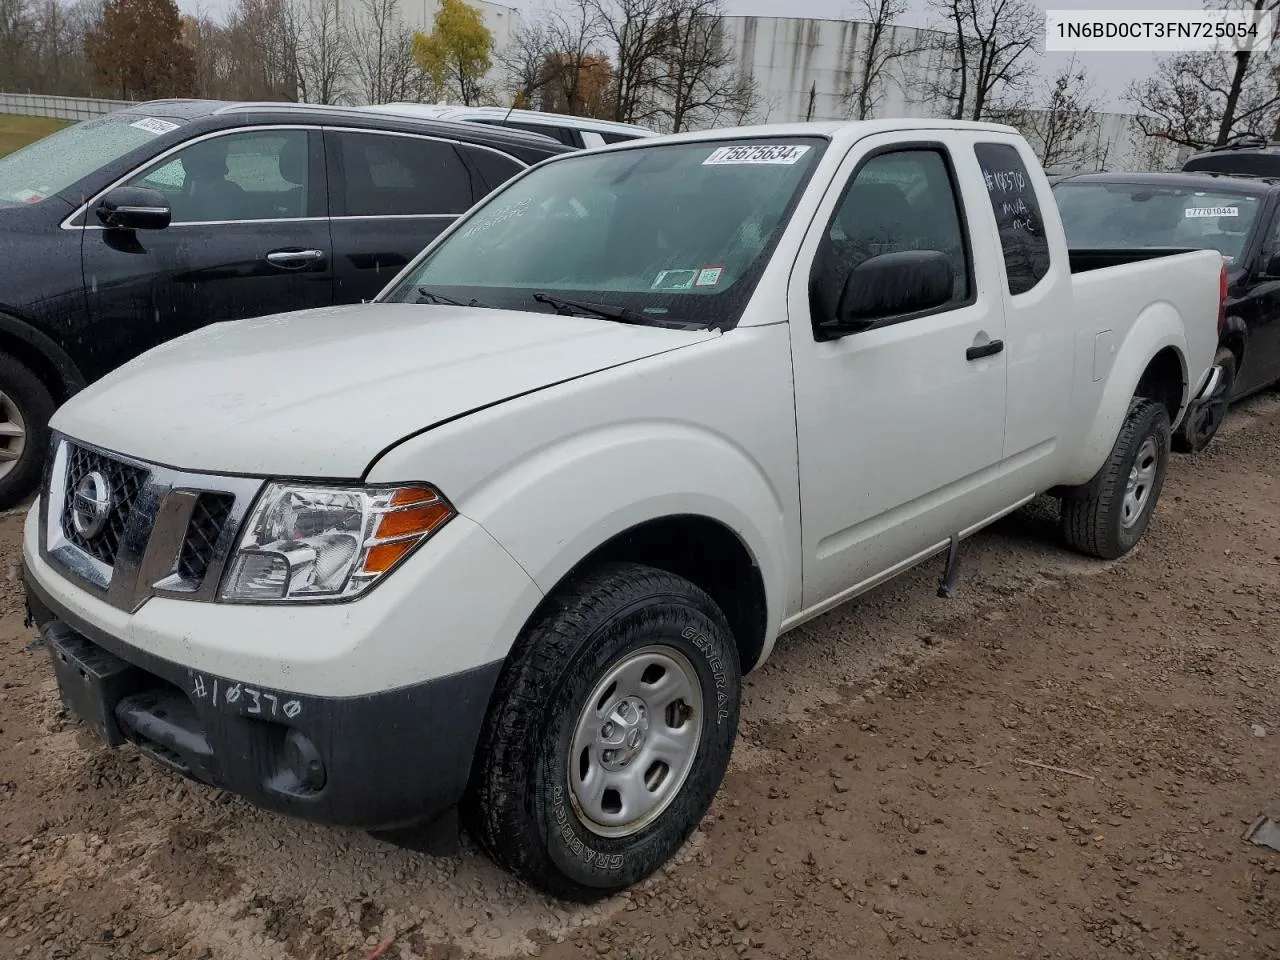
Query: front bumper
[{"x": 380, "y": 761}]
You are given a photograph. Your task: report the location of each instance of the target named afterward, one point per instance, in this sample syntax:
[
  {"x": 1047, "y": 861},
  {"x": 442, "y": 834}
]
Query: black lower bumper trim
[{"x": 380, "y": 762}]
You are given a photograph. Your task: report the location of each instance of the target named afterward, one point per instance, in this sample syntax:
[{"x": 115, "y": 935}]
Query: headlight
[{"x": 325, "y": 543}]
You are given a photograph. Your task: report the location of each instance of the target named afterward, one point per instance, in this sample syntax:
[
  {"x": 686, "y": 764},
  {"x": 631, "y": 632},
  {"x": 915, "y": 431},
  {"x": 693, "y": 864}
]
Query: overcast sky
[{"x": 1111, "y": 72}]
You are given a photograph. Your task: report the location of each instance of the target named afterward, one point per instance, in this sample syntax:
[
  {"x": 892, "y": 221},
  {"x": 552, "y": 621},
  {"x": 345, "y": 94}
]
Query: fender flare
[
  {"x": 554, "y": 507},
  {"x": 66, "y": 369},
  {"x": 1157, "y": 328}
]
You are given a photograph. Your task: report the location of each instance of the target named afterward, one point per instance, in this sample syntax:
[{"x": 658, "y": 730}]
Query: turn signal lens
[{"x": 326, "y": 543}]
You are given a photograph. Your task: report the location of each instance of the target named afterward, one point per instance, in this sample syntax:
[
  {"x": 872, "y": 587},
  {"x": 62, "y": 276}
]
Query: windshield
[
  {"x": 671, "y": 232},
  {"x": 1135, "y": 215},
  {"x": 57, "y": 161}
]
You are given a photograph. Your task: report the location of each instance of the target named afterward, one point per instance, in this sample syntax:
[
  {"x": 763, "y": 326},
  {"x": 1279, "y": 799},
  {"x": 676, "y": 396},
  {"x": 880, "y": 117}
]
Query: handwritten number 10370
[{"x": 247, "y": 700}]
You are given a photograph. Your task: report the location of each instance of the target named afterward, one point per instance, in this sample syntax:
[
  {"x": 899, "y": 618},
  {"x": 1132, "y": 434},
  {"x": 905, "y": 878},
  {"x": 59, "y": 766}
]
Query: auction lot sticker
[
  {"x": 1212, "y": 212},
  {"x": 782, "y": 153}
]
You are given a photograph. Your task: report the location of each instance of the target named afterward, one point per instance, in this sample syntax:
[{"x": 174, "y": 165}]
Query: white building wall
[{"x": 795, "y": 61}]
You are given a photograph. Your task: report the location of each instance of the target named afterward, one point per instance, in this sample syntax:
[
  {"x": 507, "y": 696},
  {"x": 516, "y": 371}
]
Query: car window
[
  {"x": 495, "y": 168},
  {"x": 564, "y": 134},
  {"x": 1018, "y": 216},
  {"x": 678, "y": 231},
  {"x": 904, "y": 200},
  {"x": 618, "y": 137},
  {"x": 62, "y": 159},
  {"x": 387, "y": 175},
  {"x": 1128, "y": 216},
  {"x": 256, "y": 175}
]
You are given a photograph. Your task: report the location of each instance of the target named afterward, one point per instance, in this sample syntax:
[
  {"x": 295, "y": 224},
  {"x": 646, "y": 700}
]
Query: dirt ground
[{"x": 882, "y": 802}]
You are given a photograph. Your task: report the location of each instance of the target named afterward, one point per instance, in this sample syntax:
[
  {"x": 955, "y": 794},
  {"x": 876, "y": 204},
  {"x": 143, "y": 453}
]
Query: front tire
[
  {"x": 1106, "y": 517},
  {"x": 25, "y": 408},
  {"x": 609, "y": 733},
  {"x": 1201, "y": 423}
]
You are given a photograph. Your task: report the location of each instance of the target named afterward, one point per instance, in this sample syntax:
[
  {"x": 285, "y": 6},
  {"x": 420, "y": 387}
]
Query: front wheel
[
  {"x": 1202, "y": 421},
  {"x": 1108, "y": 515},
  {"x": 609, "y": 733}
]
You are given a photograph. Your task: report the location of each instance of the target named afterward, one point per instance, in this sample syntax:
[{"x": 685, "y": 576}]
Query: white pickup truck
[{"x": 503, "y": 542}]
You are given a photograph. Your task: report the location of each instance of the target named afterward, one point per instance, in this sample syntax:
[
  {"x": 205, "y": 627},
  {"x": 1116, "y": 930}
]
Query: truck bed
[{"x": 1084, "y": 259}]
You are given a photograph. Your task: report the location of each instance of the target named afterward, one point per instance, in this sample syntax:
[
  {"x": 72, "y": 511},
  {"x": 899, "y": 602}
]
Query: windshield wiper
[
  {"x": 427, "y": 295},
  {"x": 612, "y": 311}
]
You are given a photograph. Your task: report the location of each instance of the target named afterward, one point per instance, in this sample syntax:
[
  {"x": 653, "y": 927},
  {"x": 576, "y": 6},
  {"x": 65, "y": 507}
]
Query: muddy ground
[{"x": 882, "y": 802}]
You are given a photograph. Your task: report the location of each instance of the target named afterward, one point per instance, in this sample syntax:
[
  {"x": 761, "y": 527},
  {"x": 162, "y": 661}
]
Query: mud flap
[{"x": 951, "y": 575}]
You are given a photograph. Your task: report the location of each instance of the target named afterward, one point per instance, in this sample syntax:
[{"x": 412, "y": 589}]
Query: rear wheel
[
  {"x": 1203, "y": 420},
  {"x": 25, "y": 408},
  {"x": 609, "y": 733},
  {"x": 1108, "y": 515}
]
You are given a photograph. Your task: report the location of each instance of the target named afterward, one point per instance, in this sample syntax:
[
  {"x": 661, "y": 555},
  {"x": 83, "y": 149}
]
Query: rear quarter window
[{"x": 1012, "y": 193}]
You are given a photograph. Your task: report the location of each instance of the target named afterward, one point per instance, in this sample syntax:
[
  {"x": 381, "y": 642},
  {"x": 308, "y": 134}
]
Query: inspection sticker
[
  {"x": 708, "y": 276},
  {"x": 152, "y": 125},
  {"x": 1212, "y": 212},
  {"x": 780, "y": 153},
  {"x": 674, "y": 280}
]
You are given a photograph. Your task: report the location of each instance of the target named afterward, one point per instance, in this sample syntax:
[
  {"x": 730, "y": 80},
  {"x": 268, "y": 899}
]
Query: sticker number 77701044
[{"x": 239, "y": 698}]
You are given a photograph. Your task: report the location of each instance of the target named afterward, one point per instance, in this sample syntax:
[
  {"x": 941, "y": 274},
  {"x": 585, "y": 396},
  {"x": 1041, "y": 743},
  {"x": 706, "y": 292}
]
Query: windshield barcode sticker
[
  {"x": 1212, "y": 212},
  {"x": 783, "y": 153},
  {"x": 152, "y": 125}
]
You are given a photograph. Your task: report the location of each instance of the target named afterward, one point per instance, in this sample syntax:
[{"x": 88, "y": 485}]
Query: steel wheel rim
[
  {"x": 13, "y": 434},
  {"x": 1142, "y": 475},
  {"x": 635, "y": 741}
]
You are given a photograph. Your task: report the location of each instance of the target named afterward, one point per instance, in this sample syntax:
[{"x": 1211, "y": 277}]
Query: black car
[
  {"x": 1246, "y": 156},
  {"x": 119, "y": 233},
  {"x": 1237, "y": 216}
]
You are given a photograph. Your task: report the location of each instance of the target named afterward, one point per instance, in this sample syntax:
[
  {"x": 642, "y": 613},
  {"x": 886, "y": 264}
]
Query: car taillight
[{"x": 1222, "y": 300}]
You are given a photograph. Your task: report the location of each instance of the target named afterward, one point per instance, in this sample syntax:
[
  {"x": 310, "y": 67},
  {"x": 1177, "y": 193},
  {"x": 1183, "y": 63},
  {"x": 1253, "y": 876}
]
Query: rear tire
[
  {"x": 25, "y": 408},
  {"x": 1203, "y": 420},
  {"x": 554, "y": 798},
  {"x": 1107, "y": 516}
]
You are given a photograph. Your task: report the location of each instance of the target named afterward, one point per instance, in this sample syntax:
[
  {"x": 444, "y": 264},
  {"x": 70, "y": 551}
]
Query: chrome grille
[
  {"x": 199, "y": 546},
  {"x": 125, "y": 483},
  {"x": 167, "y": 532}
]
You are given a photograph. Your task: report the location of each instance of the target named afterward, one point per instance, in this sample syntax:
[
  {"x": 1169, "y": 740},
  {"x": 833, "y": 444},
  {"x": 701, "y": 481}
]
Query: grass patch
[{"x": 16, "y": 131}]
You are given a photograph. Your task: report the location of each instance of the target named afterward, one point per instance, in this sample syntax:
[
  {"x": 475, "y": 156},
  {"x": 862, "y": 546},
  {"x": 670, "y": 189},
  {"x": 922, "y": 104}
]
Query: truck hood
[{"x": 319, "y": 393}]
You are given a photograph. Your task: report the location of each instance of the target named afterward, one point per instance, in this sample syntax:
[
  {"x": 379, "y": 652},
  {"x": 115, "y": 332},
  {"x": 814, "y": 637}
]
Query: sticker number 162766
[{"x": 781, "y": 153}]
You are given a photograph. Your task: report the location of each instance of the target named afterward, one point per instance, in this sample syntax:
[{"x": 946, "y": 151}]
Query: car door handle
[
  {"x": 293, "y": 258},
  {"x": 988, "y": 349}
]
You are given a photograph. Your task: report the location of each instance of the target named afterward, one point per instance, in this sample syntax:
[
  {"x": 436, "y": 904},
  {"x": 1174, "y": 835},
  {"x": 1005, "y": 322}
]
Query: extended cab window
[
  {"x": 903, "y": 200},
  {"x": 261, "y": 175},
  {"x": 386, "y": 175},
  {"x": 1018, "y": 216}
]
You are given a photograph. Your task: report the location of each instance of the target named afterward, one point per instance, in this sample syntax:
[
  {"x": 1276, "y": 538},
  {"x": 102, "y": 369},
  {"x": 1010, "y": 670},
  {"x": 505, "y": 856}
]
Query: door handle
[
  {"x": 988, "y": 349},
  {"x": 290, "y": 259}
]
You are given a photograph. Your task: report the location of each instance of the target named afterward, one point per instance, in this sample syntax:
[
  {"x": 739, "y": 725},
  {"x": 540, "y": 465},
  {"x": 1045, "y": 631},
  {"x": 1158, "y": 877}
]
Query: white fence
[{"x": 63, "y": 108}]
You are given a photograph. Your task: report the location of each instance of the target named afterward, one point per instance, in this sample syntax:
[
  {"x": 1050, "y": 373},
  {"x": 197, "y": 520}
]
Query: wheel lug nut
[{"x": 606, "y": 730}]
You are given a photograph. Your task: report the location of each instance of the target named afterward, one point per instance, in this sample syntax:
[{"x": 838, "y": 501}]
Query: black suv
[
  {"x": 1245, "y": 156},
  {"x": 122, "y": 232}
]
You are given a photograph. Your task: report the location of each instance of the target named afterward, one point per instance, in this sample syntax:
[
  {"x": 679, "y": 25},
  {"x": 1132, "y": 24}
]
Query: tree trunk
[{"x": 1237, "y": 82}]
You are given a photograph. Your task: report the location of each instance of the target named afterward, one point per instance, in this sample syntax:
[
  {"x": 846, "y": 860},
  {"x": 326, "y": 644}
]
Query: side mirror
[
  {"x": 134, "y": 208},
  {"x": 892, "y": 285}
]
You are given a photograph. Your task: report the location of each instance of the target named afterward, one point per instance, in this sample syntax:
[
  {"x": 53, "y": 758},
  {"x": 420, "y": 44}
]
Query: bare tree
[
  {"x": 324, "y": 61},
  {"x": 637, "y": 31},
  {"x": 17, "y": 27},
  {"x": 700, "y": 85},
  {"x": 987, "y": 51},
  {"x": 1066, "y": 133},
  {"x": 1184, "y": 101},
  {"x": 382, "y": 54},
  {"x": 875, "y": 62},
  {"x": 262, "y": 39},
  {"x": 527, "y": 57}
]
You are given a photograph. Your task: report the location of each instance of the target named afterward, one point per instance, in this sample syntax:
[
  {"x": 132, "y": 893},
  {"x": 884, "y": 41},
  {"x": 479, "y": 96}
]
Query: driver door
[
  {"x": 900, "y": 426},
  {"x": 249, "y": 237}
]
